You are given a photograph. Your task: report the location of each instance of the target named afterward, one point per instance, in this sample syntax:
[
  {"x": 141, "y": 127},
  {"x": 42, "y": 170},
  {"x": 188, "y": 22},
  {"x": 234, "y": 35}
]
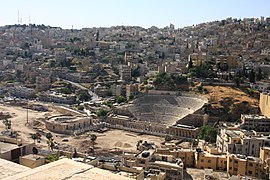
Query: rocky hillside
[{"x": 229, "y": 103}]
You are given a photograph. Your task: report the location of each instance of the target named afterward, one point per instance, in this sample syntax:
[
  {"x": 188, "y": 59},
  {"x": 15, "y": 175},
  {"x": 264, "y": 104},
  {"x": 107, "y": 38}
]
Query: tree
[
  {"x": 80, "y": 107},
  {"x": 34, "y": 137},
  {"x": 145, "y": 82},
  {"x": 162, "y": 55},
  {"x": 167, "y": 138},
  {"x": 169, "y": 81},
  {"x": 51, "y": 158},
  {"x": 208, "y": 133},
  {"x": 52, "y": 63},
  {"x": 237, "y": 81},
  {"x": 200, "y": 88},
  {"x": 252, "y": 76},
  {"x": 50, "y": 142},
  {"x": 190, "y": 64},
  {"x": 83, "y": 95},
  {"x": 49, "y": 135},
  {"x": 259, "y": 75},
  {"x": 135, "y": 72},
  {"x": 138, "y": 143},
  {"x": 102, "y": 113},
  {"x": 121, "y": 99},
  {"x": 93, "y": 138},
  {"x": 7, "y": 123}
]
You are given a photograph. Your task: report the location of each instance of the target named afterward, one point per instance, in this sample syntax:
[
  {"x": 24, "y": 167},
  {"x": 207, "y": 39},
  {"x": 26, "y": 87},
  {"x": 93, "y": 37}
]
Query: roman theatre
[{"x": 161, "y": 113}]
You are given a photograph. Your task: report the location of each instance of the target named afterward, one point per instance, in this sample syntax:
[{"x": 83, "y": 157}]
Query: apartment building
[
  {"x": 151, "y": 160},
  {"x": 186, "y": 155},
  {"x": 255, "y": 122},
  {"x": 125, "y": 73},
  {"x": 197, "y": 58},
  {"x": 204, "y": 159},
  {"x": 132, "y": 89},
  {"x": 245, "y": 165},
  {"x": 22, "y": 92},
  {"x": 43, "y": 83},
  {"x": 235, "y": 141}
]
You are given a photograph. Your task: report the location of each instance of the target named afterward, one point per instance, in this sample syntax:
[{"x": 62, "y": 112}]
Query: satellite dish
[{"x": 35, "y": 150}]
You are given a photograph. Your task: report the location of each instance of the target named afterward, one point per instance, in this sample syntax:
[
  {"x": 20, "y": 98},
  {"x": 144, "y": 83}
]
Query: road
[{"x": 95, "y": 97}]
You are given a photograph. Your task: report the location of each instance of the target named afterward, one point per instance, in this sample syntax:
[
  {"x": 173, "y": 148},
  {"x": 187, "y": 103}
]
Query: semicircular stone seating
[{"x": 165, "y": 109}]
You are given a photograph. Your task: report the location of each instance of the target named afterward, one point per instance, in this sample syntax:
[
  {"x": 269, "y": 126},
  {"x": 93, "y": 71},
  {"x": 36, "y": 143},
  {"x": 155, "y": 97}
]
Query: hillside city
[{"x": 127, "y": 102}]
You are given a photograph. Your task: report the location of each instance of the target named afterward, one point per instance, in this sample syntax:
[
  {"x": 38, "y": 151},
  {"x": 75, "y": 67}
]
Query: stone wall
[
  {"x": 196, "y": 120},
  {"x": 126, "y": 123}
]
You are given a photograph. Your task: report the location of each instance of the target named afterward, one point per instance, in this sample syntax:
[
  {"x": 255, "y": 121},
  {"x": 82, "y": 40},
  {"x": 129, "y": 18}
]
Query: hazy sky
[{"x": 146, "y": 13}]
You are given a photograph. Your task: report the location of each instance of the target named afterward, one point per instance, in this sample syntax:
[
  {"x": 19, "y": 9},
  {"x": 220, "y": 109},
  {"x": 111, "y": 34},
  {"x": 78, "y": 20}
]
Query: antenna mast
[{"x": 18, "y": 17}]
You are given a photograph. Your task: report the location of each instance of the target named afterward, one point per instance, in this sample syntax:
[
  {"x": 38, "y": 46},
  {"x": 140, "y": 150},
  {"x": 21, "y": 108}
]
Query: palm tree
[
  {"x": 7, "y": 123},
  {"x": 93, "y": 138},
  {"x": 34, "y": 137},
  {"x": 50, "y": 142},
  {"x": 139, "y": 143},
  {"x": 49, "y": 135}
]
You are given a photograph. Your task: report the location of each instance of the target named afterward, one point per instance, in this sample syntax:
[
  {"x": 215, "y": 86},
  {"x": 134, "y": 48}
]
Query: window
[
  {"x": 236, "y": 161},
  {"x": 202, "y": 160},
  {"x": 209, "y": 161},
  {"x": 250, "y": 172},
  {"x": 250, "y": 164},
  {"x": 230, "y": 168},
  {"x": 53, "y": 127}
]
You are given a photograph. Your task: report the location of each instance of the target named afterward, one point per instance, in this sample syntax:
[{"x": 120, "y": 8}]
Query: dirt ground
[
  {"x": 218, "y": 93},
  {"x": 111, "y": 140},
  {"x": 19, "y": 120}
]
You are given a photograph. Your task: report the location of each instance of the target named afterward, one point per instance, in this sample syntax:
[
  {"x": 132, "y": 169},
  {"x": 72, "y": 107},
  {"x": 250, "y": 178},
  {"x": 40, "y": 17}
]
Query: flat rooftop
[
  {"x": 8, "y": 168},
  {"x": 5, "y": 147},
  {"x": 233, "y": 134},
  {"x": 169, "y": 164},
  {"x": 33, "y": 157},
  {"x": 254, "y": 116},
  {"x": 66, "y": 169}
]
